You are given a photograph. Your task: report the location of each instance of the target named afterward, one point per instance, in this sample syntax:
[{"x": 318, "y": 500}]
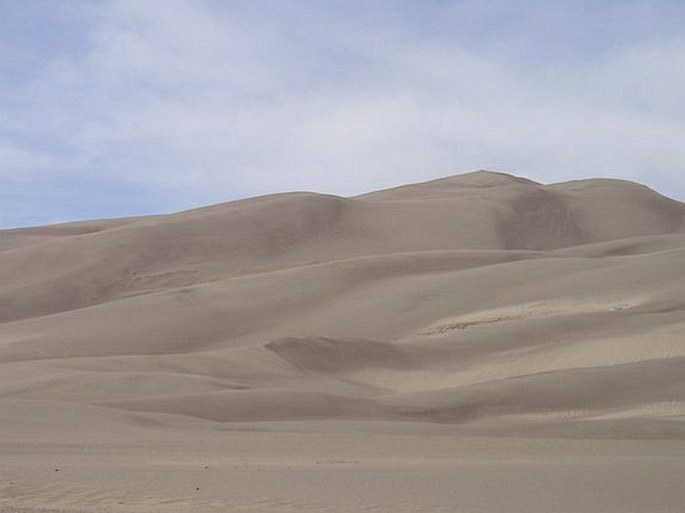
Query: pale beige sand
[
  {"x": 478, "y": 344},
  {"x": 346, "y": 467}
]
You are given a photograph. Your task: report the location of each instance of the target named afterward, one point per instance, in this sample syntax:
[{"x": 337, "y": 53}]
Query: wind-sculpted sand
[{"x": 478, "y": 344}]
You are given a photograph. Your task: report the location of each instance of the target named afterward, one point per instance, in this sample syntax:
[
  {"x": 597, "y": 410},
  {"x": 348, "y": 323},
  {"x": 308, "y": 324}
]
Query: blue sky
[{"x": 115, "y": 108}]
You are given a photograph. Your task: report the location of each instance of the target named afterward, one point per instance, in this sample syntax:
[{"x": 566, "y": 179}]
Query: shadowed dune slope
[{"x": 485, "y": 301}]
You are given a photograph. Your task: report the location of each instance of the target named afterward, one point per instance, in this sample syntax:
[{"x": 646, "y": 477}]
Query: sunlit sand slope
[{"x": 485, "y": 302}]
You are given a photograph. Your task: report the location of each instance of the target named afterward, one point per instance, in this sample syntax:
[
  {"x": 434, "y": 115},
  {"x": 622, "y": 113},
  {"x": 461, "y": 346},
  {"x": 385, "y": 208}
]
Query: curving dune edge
[{"x": 481, "y": 306}]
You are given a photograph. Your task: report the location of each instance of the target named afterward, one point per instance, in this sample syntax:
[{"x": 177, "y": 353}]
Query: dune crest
[
  {"x": 483, "y": 300},
  {"x": 477, "y": 343}
]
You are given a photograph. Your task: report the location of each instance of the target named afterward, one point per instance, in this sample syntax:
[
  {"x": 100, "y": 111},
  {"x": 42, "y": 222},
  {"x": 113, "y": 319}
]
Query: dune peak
[
  {"x": 485, "y": 178},
  {"x": 417, "y": 303}
]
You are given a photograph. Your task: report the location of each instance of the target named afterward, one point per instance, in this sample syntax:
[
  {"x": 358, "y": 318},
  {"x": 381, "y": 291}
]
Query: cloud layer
[{"x": 125, "y": 107}]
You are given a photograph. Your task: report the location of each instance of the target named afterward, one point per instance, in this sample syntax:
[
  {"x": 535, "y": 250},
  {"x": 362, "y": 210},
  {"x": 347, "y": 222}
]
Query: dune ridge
[
  {"x": 483, "y": 300},
  {"x": 479, "y": 343}
]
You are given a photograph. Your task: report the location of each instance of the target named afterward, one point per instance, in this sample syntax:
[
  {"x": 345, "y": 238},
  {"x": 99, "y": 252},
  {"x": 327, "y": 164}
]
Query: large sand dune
[{"x": 482, "y": 305}]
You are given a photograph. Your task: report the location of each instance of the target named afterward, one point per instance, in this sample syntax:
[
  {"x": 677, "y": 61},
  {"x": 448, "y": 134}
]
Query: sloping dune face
[{"x": 485, "y": 301}]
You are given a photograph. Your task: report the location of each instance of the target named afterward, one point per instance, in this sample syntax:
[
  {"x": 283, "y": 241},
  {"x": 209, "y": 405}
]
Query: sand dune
[{"x": 478, "y": 305}]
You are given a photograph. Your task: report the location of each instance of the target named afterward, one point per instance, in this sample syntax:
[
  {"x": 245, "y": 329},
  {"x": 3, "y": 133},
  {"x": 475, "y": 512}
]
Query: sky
[{"x": 118, "y": 108}]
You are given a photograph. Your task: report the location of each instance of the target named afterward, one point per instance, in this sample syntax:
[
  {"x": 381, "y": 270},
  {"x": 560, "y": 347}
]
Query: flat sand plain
[{"x": 477, "y": 344}]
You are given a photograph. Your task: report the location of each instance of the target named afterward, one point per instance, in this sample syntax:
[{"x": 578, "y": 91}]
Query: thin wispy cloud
[{"x": 156, "y": 106}]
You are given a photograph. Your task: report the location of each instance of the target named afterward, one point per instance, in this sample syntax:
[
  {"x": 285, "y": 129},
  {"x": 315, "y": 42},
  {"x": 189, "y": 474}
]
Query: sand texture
[{"x": 477, "y": 344}]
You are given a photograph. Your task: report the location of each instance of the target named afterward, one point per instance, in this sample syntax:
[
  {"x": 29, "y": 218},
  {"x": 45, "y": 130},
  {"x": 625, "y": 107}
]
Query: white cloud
[
  {"x": 18, "y": 159},
  {"x": 212, "y": 100}
]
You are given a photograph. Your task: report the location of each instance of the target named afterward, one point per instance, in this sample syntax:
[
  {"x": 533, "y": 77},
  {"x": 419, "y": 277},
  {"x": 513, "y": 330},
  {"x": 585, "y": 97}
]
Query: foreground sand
[
  {"x": 477, "y": 344},
  {"x": 342, "y": 468}
]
